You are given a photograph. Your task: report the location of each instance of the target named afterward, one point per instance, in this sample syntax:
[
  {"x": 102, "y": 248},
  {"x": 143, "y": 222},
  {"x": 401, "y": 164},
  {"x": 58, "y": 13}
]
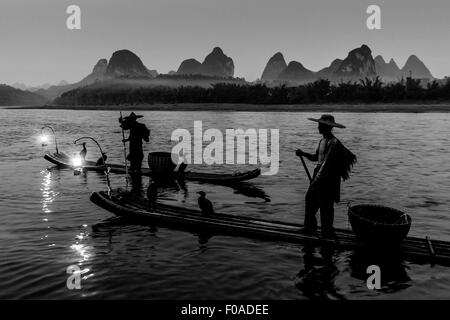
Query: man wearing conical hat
[
  {"x": 138, "y": 133},
  {"x": 334, "y": 162}
]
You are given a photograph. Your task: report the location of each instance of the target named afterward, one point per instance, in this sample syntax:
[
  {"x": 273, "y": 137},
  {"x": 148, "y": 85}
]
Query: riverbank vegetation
[{"x": 318, "y": 92}]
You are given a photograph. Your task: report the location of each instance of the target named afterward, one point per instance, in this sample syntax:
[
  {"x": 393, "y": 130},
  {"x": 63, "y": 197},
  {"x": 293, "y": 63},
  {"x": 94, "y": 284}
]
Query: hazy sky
[{"x": 36, "y": 46}]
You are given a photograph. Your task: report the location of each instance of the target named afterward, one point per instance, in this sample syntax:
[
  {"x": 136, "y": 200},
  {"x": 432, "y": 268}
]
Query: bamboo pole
[
  {"x": 306, "y": 168},
  {"x": 124, "y": 150}
]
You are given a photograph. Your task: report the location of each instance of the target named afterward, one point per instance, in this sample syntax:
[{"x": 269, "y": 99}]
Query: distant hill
[
  {"x": 189, "y": 66},
  {"x": 296, "y": 72},
  {"x": 358, "y": 64},
  {"x": 97, "y": 74},
  {"x": 127, "y": 69},
  {"x": 216, "y": 64},
  {"x": 123, "y": 64},
  {"x": 10, "y": 96},
  {"x": 327, "y": 72},
  {"x": 387, "y": 71},
  {"x": 45, "y": 86},
  {"x": 417, "y": 69},
  {"x": 274, "y": 67},
  {"x": 126, "y": 64}
]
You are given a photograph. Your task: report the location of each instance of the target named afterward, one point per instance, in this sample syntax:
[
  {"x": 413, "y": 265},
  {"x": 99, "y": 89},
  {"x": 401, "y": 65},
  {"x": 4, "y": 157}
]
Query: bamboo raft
[
  {"x": 62, "y": 160},
  {"x": 412, "y": 248}
]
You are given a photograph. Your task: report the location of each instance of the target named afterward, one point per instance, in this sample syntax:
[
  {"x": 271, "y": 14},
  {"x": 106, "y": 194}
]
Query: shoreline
[{"x": 382, "y": 108}]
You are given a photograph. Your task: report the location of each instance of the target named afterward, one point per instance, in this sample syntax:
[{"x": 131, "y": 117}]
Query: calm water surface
[{"x": 48, "y": 223}]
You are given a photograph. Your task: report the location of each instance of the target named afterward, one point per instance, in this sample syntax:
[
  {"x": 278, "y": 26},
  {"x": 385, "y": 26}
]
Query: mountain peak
[
  {"x": 365, "y": 48},
  {"x": 274, "y": 67},
  {"x": 124, "y": 63},
  {"x": 416, "y": 67},
  {"x": 387, "y": 71},
  {"x": 218, "y": 64},
  {"x": 379, "y": 59},
  {"x": 100, "y": 66},
  {"x": 97, "y": 74},
  {"x": 393, "y": 64},
  {"x": 413, "y": 57},
  {"x": 296, "y": 72},
  {"x": 217, "y": 50},
  {"x": 277, "y": 56},
  {"x": 359, "y": 63},
  {"x": 189, "y": 66}
]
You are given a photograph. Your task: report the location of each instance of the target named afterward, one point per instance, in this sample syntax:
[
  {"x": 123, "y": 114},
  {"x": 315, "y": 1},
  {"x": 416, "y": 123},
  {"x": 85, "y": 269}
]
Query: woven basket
[
  {"x": 161, "y": 162},
  {"x": 379, "y": 224}
]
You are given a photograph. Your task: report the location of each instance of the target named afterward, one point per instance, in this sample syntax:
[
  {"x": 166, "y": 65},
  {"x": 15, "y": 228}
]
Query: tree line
[{"x": 317, "y": 92}]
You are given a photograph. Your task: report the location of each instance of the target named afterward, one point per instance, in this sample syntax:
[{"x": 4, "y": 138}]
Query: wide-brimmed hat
[
  {"x": 132, "y": 116},
  {"x": 327, "y": 119}
]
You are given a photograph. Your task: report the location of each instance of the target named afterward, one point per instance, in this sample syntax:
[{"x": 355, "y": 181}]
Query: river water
[{"x": 47, "y": 222}]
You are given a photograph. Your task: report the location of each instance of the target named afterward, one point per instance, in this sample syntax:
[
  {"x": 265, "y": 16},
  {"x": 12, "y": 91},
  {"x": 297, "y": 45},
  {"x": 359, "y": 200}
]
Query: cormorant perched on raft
[
  {"x": 83, "y": 152},
  {"x": 152, "y": 192},
  {"x": 204, "y": 204},
  {"x": 101, "y": 161}
]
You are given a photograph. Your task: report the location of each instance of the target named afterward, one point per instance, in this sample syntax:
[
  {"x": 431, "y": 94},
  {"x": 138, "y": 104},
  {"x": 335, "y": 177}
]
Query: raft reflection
[
  {"x": 317, "y": 279},
  {"x": 394, "y": 276}
]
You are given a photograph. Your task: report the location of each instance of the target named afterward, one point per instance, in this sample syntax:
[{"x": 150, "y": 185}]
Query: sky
[{"x": 37, "y": 47}]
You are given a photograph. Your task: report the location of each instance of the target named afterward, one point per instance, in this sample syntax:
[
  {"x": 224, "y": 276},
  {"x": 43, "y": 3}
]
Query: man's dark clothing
[{"x": 138, "y": 132}]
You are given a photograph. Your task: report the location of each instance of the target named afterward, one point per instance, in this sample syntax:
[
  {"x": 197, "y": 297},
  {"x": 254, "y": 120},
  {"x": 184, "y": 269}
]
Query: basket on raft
[
  {"x": 161, "y": 163},
  {"x": 378, "y": 224}
]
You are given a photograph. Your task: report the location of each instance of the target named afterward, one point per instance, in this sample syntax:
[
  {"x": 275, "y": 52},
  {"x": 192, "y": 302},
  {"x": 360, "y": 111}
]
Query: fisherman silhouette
[
  {"x": 334, "y": 162},
  {"x": 204, "y": 204},
  {"x": 138, "y": 132}
]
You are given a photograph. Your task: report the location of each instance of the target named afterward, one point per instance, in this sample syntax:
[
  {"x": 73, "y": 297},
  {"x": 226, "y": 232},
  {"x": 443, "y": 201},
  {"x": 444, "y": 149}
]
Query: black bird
[
  {"x": 204, "y": 204},
  {"x": 83, "y": 152},
  {"x": 152, "y": 192},
  {"x": 101, "y": 161}
]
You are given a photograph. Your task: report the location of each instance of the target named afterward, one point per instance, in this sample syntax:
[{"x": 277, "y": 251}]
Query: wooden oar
[{"x": 306, "y": 168}]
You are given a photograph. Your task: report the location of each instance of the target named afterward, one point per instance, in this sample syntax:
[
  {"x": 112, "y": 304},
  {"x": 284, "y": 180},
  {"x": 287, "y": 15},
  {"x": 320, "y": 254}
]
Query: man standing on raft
[
  {"x": 334, "y": 161},
  {"x": 138, "y": 132}
]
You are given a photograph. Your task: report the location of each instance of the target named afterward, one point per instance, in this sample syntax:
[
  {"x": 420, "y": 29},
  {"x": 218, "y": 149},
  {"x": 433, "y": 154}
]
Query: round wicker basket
[{"x": 379, "y": 224}]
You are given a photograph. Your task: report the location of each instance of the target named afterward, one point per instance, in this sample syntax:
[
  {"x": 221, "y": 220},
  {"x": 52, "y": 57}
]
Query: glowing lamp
[
  {"x": 77, "y": 161},
  {"x": 44, "y": 140}
]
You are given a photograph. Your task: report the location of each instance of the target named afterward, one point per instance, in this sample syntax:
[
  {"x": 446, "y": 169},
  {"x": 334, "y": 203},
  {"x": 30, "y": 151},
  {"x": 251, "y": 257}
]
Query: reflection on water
[
  {"x": 82, "y": 251},
  {"x": 83, "y": 254},
  {"x": 317, "y": 278},
  {"x": 48, "y": 195},
  {"x": 47, "y": 222},
  {"x": 394, "y": 275}
]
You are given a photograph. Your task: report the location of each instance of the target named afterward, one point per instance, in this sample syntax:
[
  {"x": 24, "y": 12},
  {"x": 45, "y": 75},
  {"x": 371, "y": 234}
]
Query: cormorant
[
  {"x": 83, "y": 152},
  {"x": 152, "y": 192},
  {"x": 204, "y": 204},
  {"x": 101, "y": 161}
]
